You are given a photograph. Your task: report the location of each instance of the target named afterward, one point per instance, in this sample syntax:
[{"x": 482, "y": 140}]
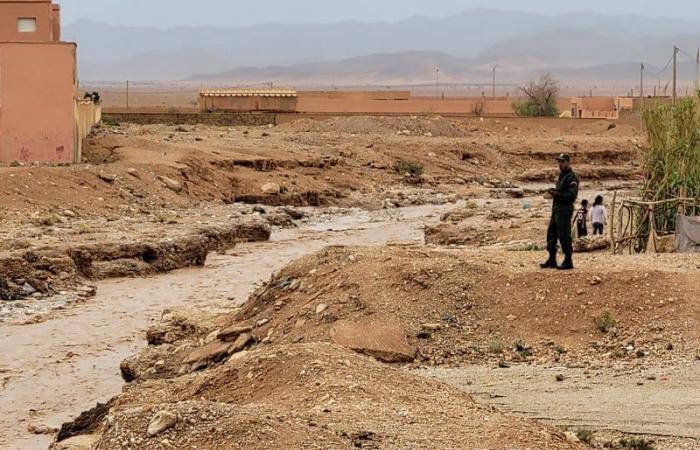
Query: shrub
[
  {"x": 585, "y": 436},
  {"x": 636, "y": 444},
  {"x": 605, "y": 322},
  {"x": 412, "y": 168},
  {"x": 497, "y": 347}
]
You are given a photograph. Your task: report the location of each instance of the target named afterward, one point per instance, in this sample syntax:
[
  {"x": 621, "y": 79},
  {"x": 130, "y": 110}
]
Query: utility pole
[
  {"x": 437, "y": 82},
  {"x": 493, "y": 89},
  {"x": 127, "y": 95},
  {"x": 641, "y": 87},
  {"x": 675, "y": 74}
]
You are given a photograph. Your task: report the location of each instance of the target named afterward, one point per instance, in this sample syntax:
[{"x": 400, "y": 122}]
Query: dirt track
[{"x": 657, "y": 401}]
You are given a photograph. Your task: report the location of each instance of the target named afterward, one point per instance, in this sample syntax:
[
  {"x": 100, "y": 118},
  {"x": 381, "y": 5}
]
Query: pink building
[{"x": 40, "y": 117}]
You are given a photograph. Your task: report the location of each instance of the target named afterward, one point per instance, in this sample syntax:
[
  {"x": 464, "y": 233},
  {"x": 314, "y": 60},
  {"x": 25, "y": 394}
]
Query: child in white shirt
[{"x": 599, "y": 216}]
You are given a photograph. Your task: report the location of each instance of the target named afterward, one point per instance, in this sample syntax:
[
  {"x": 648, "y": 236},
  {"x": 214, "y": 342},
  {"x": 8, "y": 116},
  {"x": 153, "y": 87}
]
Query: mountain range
[{"x": 579, "y": 47}]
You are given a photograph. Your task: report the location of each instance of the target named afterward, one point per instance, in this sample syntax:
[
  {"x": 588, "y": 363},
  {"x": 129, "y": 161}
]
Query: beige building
[
  {"x": 41, "y": 119},
  {"x": 242, "y": 100}
]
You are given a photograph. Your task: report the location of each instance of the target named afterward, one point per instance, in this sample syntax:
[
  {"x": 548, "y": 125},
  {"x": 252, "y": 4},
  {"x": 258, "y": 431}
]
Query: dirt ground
[{"x": 385, "y": 338}]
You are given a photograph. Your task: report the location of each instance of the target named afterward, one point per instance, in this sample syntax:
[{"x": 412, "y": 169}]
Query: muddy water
[{"x": 51, "y": 371}]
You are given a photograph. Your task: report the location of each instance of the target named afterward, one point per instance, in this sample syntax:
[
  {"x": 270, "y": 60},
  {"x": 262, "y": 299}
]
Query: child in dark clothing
[{"x": 581, "y": 219}]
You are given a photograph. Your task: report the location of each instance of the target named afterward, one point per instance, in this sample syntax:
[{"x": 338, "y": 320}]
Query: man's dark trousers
[{"x": 560, "y": 230}]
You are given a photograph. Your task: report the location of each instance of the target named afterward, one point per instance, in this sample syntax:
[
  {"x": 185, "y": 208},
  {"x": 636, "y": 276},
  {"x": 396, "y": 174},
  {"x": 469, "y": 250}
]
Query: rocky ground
[{"x": 331, "y": 352}]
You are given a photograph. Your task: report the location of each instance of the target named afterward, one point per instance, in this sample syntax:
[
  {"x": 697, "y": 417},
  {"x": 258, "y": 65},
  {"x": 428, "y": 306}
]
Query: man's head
[
  {"x": 584, "y": 203},
  {"x": 564, "y": 162}
]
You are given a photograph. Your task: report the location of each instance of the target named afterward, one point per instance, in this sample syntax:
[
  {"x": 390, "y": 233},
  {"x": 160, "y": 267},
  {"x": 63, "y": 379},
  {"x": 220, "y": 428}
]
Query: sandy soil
[{"x": 470, "y": 306}]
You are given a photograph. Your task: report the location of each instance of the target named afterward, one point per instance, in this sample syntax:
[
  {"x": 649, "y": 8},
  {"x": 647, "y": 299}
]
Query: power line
[{"x": 668, "y": 64}]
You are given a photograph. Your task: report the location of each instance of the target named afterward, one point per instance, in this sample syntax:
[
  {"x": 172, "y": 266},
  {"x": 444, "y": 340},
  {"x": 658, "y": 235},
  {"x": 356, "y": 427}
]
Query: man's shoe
[
  {"x": 550, "y": 264},
  {"x": 566, "y": 265}
]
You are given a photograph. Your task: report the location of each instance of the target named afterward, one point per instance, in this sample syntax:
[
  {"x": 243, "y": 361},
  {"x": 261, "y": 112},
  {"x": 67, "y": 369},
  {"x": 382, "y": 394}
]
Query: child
[
  {"x": 582, "y": 219},
  {"x": 599, "y": 216}
]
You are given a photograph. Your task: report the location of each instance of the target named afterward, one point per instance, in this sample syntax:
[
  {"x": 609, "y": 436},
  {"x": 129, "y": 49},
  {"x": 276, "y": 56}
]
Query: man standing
[{"x": 564, "y": 196}]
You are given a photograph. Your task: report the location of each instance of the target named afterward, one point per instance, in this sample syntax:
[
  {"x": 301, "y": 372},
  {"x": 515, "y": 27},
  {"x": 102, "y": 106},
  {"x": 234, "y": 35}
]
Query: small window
[{"x": 26, "y": 25}]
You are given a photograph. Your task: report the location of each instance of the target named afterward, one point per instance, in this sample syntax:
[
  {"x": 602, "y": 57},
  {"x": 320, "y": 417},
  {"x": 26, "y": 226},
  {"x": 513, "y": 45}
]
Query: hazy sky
[{"x": 228, "y": 13}]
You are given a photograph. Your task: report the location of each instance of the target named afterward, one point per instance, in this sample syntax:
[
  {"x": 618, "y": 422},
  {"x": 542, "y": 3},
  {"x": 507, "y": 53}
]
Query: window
[{"x": 26, "y": 25}]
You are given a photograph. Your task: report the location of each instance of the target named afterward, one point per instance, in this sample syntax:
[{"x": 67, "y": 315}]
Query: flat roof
[{"x": 250, "y": 93}]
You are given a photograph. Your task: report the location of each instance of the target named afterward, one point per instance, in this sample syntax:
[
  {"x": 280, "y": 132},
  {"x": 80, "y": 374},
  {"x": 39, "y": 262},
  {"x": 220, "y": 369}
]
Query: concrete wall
[
  {"x": 37, "y": 102},
  {"x": 247, "y": 103},
  {"x": 47, "y": 24},
  {"x": 87, "y": 115},
  {"x": 355, "y": 95},
  {"x": 413, "y": 105}
]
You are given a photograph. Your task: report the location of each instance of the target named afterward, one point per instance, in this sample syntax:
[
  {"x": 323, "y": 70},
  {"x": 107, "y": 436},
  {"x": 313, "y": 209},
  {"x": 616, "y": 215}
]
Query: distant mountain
[
  {"x": 478, "y": 38},
  {"x": 418, "y": 67},
  {"x": 409, "y": 67}
]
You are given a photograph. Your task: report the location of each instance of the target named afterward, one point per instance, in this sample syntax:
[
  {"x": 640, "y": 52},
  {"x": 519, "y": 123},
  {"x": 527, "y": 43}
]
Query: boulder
[
  {"x": 271, "y": 189},
  {"x": 171, "y": 184},
  {"x": 232, "y": 333},
  {"x": 83, "y": 442},
  {"x": 387, "y": 343},
  {"x": 160, "y": 422},
  {"x": 213, "y": 352}
]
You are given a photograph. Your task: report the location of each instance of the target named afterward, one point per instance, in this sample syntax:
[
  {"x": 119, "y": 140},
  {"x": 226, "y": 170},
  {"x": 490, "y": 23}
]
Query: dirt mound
[
  {"x": 310, "y": 396},
  {"x": 452, "y": 307},
  {"x": 513, "y": 225},
  {"x": 407, "y": 126}
]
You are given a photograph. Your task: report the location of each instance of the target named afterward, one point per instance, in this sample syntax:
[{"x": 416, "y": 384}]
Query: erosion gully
[{"x": 53, "y": 370}]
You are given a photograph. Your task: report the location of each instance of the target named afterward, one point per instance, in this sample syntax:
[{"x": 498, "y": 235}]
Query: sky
[{"x": 232, "y": 13}]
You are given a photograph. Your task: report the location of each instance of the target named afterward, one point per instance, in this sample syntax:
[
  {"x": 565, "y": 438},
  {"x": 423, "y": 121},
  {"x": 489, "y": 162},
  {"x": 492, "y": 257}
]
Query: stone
[
  {"x": 211, "y": 337},
  {"x": 171, "y": 184},
  {"x": 596, "y": 280},
  {"x": 271, "y": 189},
  {"x": 82, "y": 442},
  {"x": 133, "y": 172},
  {"x": 107, "y": 177},
  {"x": 431, "y": 327},
  {"x": 160, "y": 422},
  {"x": 69, "y": 213},
  {"x": 240, "y": 343},
  {"x": 212, "y": 352},
  {"x": 28, "y": 289},
  {"x": 321, "y": 308},
  {"x": 230, "y": 334},
  {"x": 386, "y": 343}
]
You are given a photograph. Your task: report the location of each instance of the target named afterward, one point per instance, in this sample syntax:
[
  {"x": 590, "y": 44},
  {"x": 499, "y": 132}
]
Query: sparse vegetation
[
  {"x": 605, "y": 322},
  {"x": 672, "y": 159},
  {"x": 497, "y": 347},
  {"x": 585, "y": 436},
  {"x": 540, "y": 98},
  {"x": 521, "y": 347},
  {"x": 411, "y": 168},
  {"x": 46, "y": 220},
  {"x": 635, "y": 444}
]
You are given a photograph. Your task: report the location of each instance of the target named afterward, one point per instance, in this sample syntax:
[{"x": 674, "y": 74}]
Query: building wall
[
  {"x": 355, "y": 95},
  {"x": 37, "y": 102},
  {"x": 413, "y": 105},
  {"x": 46, "y": 23},
  {"x": 87, "y": 115},
  {"x": 250, "y": 103}
]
